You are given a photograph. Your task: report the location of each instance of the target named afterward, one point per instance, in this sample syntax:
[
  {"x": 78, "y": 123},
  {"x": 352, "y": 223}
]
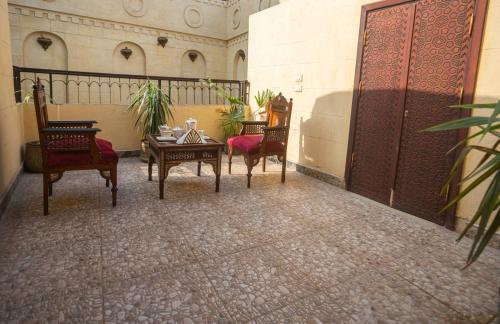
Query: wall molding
[
  {"x": 109, "y": 24},
  {"x": 238, "y": 39},
  {"x": 6, "y": 197}
]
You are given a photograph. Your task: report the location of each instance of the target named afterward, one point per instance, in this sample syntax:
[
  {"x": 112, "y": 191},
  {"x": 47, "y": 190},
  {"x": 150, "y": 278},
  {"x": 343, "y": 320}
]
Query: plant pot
[
  {"x": 144, "y": 156},
  {"x": 33, "y": 161}
]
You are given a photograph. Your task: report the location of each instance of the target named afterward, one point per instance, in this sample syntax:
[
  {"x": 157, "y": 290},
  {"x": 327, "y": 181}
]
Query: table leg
[
  {"x": 218, "y": 170},
  {"x": 199, "y": 168},
  {"x": 150, "y": 167},
  {"x": 161, "y": 175}
]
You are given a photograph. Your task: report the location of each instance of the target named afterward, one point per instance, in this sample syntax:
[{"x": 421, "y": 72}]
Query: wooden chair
[
  {"x": 71, "y": 145},
  {"x": 260, "y": 139}
]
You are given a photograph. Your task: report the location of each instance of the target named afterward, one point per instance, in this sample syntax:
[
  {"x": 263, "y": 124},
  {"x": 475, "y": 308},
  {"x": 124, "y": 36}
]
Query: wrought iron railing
[{"x": 76, "y": 87}]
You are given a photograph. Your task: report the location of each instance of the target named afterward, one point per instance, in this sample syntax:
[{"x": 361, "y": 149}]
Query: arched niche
[
  {"x": 129, "y": 58},
  {"x": 240, "y": 66},
  {"x": 53, "y": 56},
  {"x": 193, "y": 65},
  {"x": 46, "y": 50}
]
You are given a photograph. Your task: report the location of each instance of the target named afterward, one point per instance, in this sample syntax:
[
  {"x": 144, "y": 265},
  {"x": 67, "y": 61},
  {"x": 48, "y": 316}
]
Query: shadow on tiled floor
[{"x": 303, "y": 252}]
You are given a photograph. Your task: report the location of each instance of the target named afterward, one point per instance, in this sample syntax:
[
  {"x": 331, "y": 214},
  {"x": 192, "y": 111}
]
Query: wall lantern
[
  {"x": 193, "y": 56},
  {"x": 126, "y": 52},
  {"x": 44, "y": 42},
  {"x": 162, "y": 40},
  {"x": 242, "y": 55}
]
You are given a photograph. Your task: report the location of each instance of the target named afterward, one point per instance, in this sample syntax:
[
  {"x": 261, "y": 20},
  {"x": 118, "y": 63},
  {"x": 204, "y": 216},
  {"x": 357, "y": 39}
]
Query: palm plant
[
  {"x": 486, "y": 170},
  {"x": 231, "y": 116},
  {"x": 262, "y": 98},
  {"x": 151, "y": 106}
]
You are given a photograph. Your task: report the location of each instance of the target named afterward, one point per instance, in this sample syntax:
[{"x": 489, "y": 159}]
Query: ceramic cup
[{"x": 178, "y": 132}]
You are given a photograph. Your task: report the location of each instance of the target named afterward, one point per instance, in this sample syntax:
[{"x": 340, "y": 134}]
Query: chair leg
[
  {"x": 50, "y": 189},
  {"x": 107, "y": 183},
  {"x": 249, "y": 168},
  {"x": 283, "y": 169},
  {"x": 46, "y": 194},
  {"x": 230, "y": 157},
  {"x": 264, "y": 164},
  {"x": 114, "y": 183}
]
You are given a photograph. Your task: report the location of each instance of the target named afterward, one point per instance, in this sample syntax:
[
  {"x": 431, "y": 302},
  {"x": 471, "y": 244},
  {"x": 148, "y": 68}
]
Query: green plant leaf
[
  {"x": 475, "y": 106},
  {"x": 460, "y": 123}
]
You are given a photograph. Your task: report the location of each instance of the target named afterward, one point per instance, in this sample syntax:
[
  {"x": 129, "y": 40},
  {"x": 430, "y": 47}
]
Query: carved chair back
[
  {"x": 279, "y": 111},
  {"x": 42, "y": 118}
]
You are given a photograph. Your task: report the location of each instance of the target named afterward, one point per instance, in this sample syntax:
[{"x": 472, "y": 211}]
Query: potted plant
[
  {"x": 151, "y": 107},
  {"x": 232, "y": 115},
  {"x": 486, "y": 171},
  {"x": 262, "y": 99}
]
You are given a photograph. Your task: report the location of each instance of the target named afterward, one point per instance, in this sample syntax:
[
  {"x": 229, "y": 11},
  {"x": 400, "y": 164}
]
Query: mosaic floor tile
[
  {"x": 182, "y": 295},
  {"x": 148, "y": 250},
  {"x": 25, "y": 278},
  {"x": 299, "y": 252},
  {"x": 256, "y": 281},
  {"x": 387, "y": 298},
  {"x": 316, "y": 309},
  {"x": 472, "y": 292},
  {"x": 78, "y": 307}
]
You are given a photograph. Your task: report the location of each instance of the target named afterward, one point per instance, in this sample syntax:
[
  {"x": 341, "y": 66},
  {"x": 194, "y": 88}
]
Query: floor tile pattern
[{"x": 302, "y": 252}]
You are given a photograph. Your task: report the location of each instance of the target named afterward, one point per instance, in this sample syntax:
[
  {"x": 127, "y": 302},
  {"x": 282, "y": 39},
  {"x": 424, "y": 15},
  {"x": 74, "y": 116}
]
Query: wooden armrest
[
  {"x": 254, "y": 122},
  {"x": 70, "y": 131},
  {"x": 252, "y": 127},
  {"x": 71, "y": 123}
]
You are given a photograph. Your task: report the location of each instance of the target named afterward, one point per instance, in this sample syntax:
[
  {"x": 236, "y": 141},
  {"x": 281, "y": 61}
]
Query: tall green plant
[
  {"x": 231, "y": 116},
  {"x": 151, "y": 106},
  {"x": 262, "y": 98},
  {"x": 488, "y": 211}
]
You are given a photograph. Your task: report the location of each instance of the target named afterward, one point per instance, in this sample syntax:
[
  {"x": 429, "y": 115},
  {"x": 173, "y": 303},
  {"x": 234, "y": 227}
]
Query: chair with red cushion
[
  {"x": 260, "y": 139},
  {"x": 71, "y": 145}
]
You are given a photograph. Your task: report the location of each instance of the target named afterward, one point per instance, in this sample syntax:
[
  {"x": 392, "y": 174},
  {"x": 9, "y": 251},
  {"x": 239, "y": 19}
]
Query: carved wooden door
[
  {"x": 441, "y": 40},
  {"x": 387, "y": 44},
  {"x": 412, "y": 66}
]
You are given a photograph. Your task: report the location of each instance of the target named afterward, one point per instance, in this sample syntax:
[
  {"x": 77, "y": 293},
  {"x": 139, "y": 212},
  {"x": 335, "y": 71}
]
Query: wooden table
[{"x": 169, "y": 154}]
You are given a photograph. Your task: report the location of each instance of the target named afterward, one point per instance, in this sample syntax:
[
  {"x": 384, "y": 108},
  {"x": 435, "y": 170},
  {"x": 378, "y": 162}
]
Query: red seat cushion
[
  {"x": 62, "y": 159},
  {"x": 250, "y": 144}
]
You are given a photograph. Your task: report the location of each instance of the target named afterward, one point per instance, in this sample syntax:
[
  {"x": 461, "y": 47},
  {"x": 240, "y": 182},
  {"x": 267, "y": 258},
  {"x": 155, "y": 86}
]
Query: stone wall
[{"x": 88, "y": 36}]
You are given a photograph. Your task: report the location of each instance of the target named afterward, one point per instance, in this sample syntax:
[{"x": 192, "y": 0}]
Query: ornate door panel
[
  {"x": 440, "y": 48},
  {"x": 386, "y": 51}
]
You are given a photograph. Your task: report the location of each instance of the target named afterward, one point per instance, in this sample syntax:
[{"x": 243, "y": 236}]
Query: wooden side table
[{"x": 169, "y": 154}]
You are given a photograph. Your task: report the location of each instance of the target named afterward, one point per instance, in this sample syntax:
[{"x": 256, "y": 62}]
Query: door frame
[{"x": 470, "y": 78}]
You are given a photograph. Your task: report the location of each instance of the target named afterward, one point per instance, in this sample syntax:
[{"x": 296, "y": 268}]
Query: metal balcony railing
[{"x": 76, "y": 87}]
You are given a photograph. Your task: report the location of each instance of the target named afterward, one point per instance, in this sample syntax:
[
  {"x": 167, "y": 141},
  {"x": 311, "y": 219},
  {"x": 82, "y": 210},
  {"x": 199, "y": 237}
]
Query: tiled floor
[{"x": 303, "y": 252}]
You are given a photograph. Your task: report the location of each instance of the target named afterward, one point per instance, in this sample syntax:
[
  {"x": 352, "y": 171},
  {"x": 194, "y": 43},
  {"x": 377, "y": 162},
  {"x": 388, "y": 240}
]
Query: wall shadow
[{"x": 422, "y": 162}]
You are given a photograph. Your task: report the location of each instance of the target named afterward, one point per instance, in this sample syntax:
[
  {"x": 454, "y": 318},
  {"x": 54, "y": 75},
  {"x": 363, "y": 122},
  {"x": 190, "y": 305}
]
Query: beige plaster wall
[
  {"x": 316, "y": 41},
  {"x": 117, "y": 125},
  {"x": 10, "y": 116},
  {"x": 487, "y": 90},
  {"x": 92, "y": 31}
]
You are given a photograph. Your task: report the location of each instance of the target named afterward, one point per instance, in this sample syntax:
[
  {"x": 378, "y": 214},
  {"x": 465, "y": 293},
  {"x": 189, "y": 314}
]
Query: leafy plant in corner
[
  {"x": 151, "y": 107},
  {"x": 487, "y": 170},
  {"x": 262, "y": 98},
  {"x": 231, "y": 116}
]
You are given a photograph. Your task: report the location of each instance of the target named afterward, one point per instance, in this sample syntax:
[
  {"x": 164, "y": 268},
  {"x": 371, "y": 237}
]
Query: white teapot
[{"x": 191, "y": 123}]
